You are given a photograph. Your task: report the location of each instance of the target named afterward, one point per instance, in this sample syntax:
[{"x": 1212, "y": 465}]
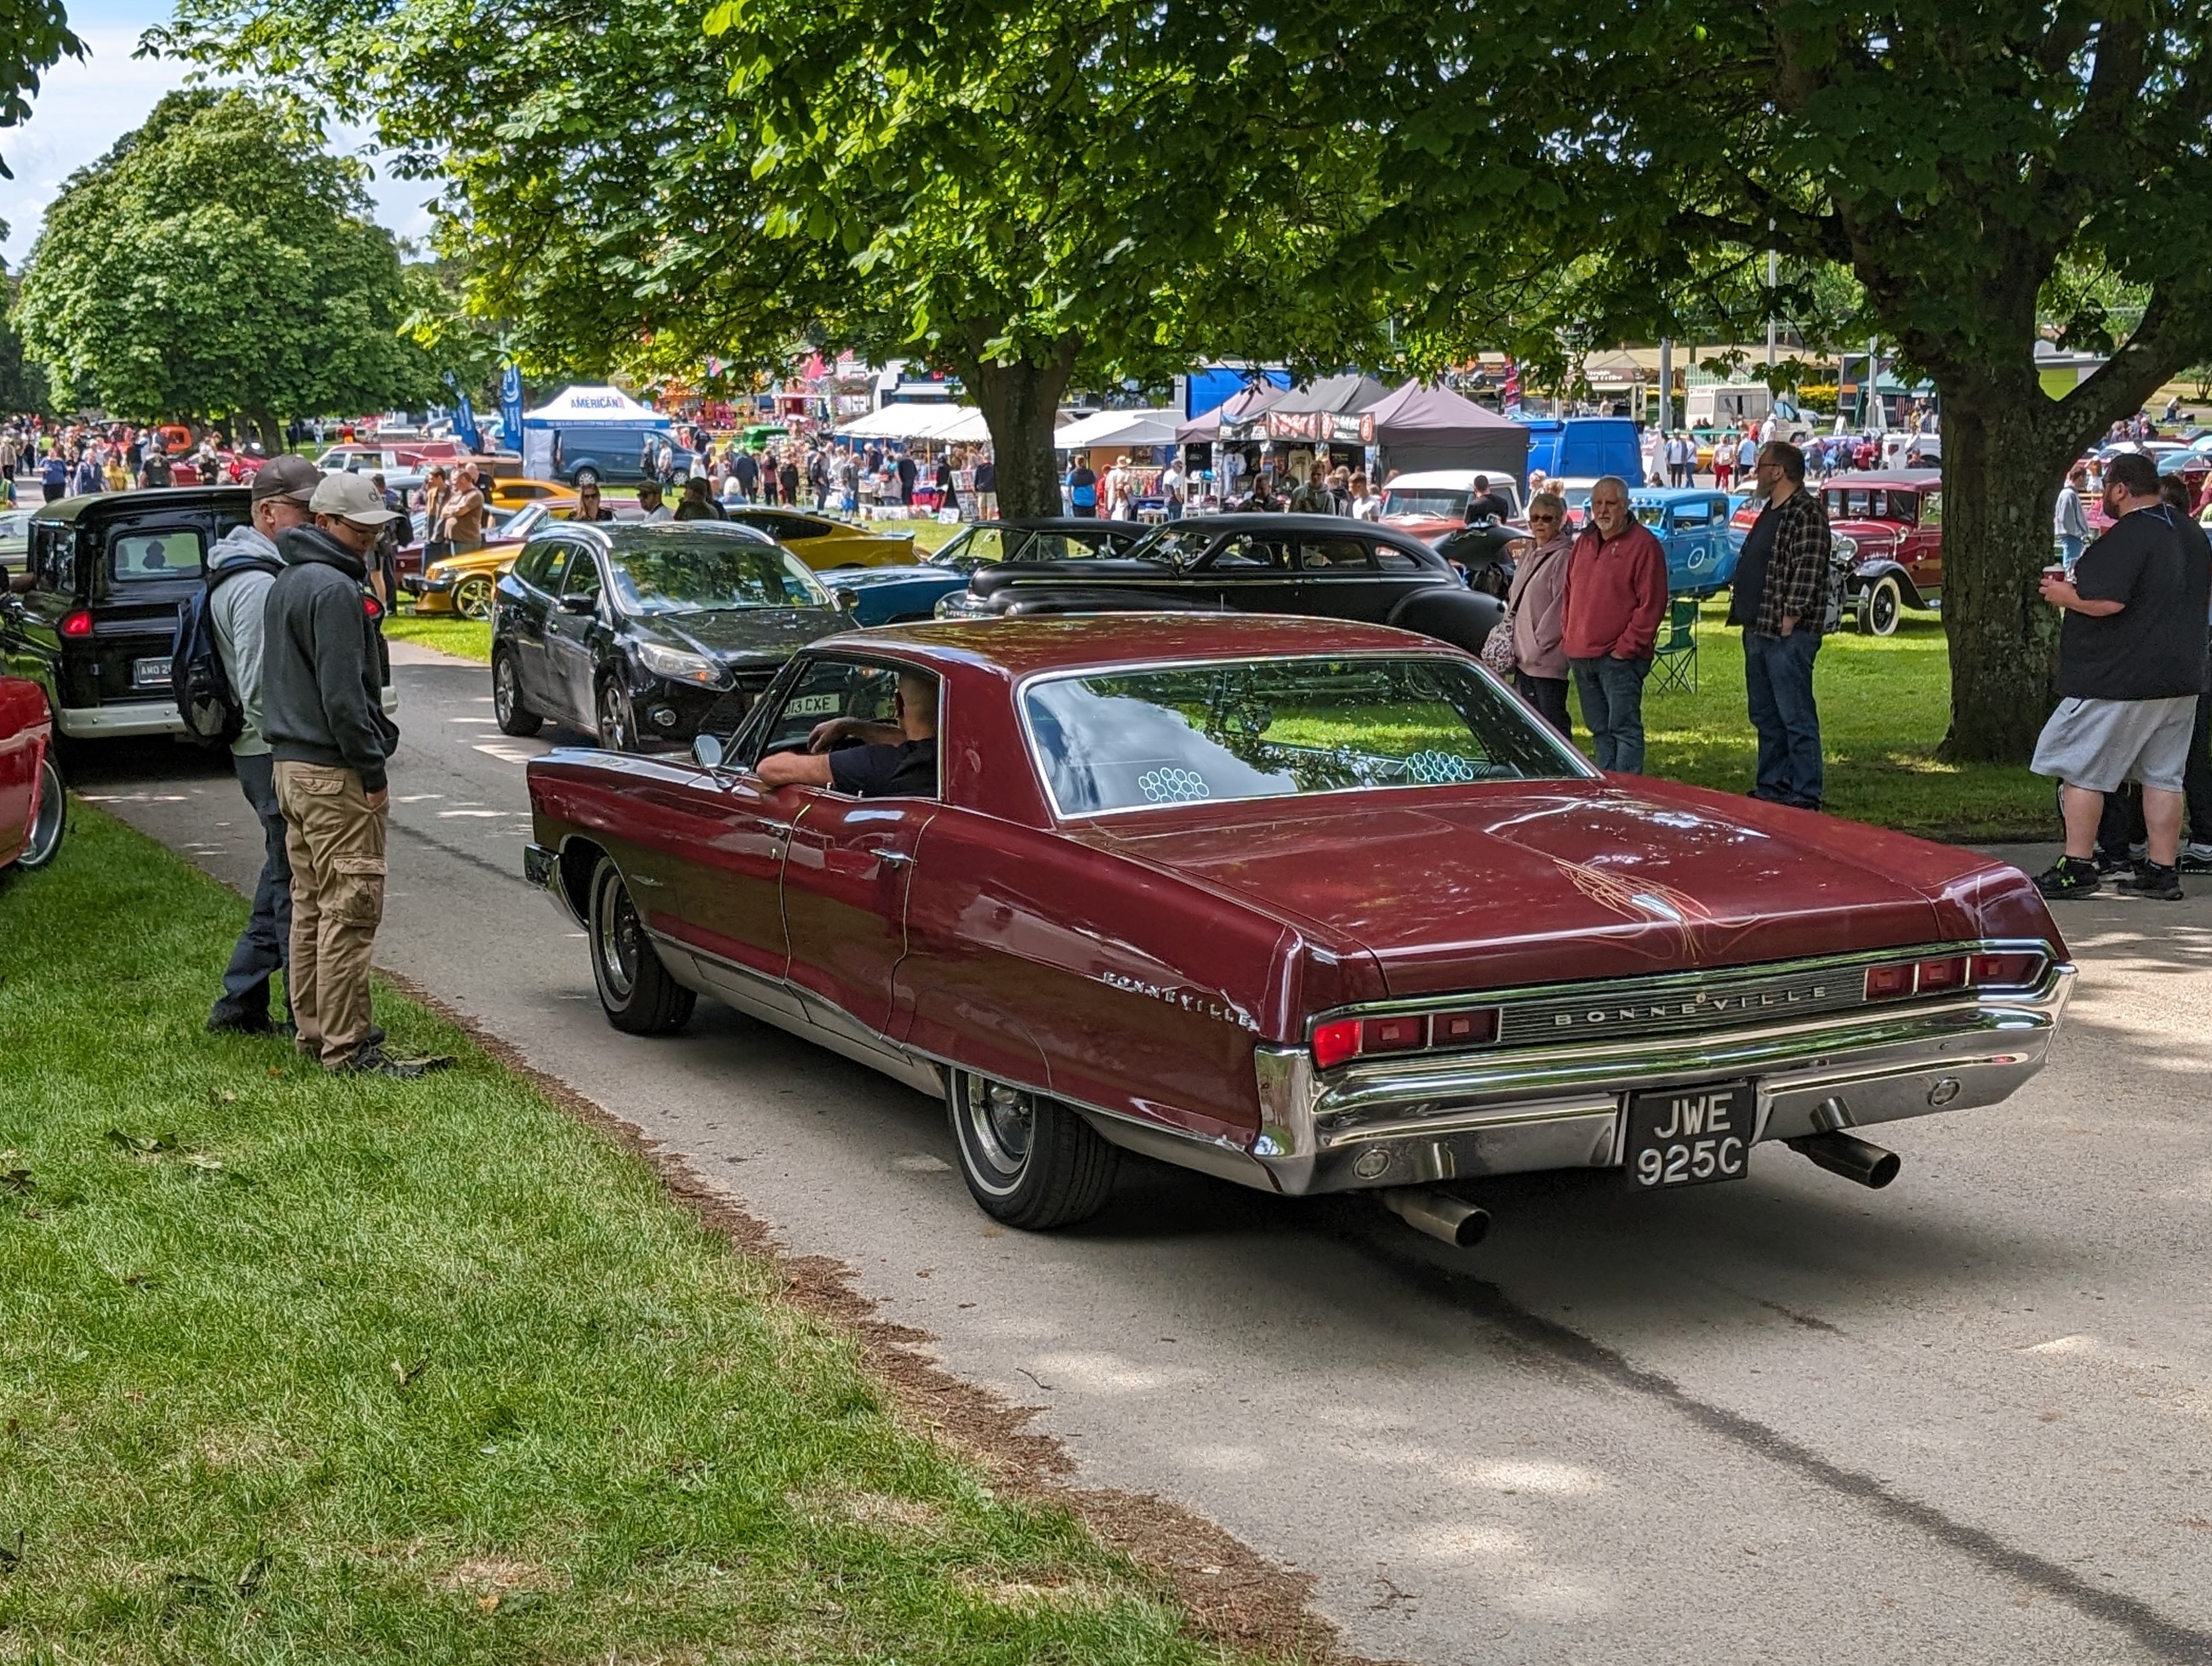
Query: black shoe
[
  {"x": 2149, "y": 880},
  {"x": 2196, "y": 858},
  {"x": 2109, "y": 862},
  {"x": 2070, "y": 876},
  {"x": 241, "y": 1024},
  {"x": 371, "y": 1061}
]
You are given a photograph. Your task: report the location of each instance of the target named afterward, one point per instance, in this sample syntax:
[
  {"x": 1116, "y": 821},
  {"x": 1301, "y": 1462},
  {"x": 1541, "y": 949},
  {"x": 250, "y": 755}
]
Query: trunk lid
[{"x": 1552, "y": 881}]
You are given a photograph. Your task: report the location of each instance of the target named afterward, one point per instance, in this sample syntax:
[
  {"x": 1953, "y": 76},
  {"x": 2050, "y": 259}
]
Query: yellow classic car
[
  {"x": 516, "y": 491},
  {"x": 463, "y": 583},
  {"x": 823, "y": 542}
]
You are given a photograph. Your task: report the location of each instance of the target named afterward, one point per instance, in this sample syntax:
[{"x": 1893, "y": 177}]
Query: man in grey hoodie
[
  {"x": 322, "y": 710},
  {"x": 240, "y": 569}
]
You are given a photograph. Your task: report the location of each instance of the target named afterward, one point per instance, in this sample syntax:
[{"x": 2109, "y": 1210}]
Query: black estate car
[
  {"x": 639, "y": 630},
  {"x": 1323, "y": 566},
  {"x": 93, "y": 618}
]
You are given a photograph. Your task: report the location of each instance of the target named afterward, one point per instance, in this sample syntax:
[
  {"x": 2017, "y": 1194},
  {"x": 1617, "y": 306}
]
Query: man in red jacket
[{"x": 1616, "y": 596}]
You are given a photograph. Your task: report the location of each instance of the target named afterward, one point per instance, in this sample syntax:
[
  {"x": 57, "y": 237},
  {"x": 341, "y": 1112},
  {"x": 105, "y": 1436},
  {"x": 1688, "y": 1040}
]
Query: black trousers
[
  {"x": 2122, "y": 824},
  {"x": 1548, "y": 695}
]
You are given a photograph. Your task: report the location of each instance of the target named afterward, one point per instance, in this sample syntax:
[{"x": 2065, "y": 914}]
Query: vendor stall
[{"x": 1433, "y": 428}]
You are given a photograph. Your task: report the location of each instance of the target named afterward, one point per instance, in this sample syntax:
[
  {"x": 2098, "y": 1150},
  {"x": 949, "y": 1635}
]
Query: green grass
[
  {"x": 446, "y": 632},
  {"x": 297, "y": 1369},
  {"x": 1885, "y": 704}
]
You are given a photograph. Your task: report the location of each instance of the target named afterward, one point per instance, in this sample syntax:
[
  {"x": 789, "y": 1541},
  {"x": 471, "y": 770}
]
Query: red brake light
[
  {"x": 78, "y": 624},
  {"x": 1400, "y": 1034},
  {"x": 1470, "y": 1029},
  {"x": 2007, "y": 970},
  {"x": 1888, "y": 982},
  {"x": 1937, "y": 976},
  {"x": 372, "y": 607},
  {"x": 1335, "y": 1042}
]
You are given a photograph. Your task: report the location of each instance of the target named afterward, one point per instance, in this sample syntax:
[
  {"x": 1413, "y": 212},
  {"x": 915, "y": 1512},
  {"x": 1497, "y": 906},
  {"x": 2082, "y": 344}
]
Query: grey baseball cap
[
  {"x": 350, "y": 497},
  {"x": 288, "y": 476}
]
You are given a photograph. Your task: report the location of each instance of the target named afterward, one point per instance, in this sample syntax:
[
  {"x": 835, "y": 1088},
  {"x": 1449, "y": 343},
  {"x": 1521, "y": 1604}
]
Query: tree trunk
[
  {"x": 2004, "y": 459},
  {"x": 1020, "y": 401}
]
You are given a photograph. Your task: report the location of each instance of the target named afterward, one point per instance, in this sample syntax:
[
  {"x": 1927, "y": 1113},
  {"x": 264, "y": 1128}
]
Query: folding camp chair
[{"x": 1675, "y": 661}]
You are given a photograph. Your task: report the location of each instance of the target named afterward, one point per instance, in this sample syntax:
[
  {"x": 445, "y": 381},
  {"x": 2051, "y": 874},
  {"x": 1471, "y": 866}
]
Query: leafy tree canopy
[
  {"x": 220, "y": 260},
  {"x": 1033, "y": 195},
  {"x": 1973, "y": 167}
]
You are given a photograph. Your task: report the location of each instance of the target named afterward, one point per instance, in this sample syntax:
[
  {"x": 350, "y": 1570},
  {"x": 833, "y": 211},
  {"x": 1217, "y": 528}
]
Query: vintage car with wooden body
[{"x": 1308, "y": 905}]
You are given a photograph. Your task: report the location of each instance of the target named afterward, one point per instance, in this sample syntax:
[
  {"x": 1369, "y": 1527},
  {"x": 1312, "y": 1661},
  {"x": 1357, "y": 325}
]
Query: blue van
[
  {"x": 1583, "y": 448},
  {"x": 614, "y": 454}
]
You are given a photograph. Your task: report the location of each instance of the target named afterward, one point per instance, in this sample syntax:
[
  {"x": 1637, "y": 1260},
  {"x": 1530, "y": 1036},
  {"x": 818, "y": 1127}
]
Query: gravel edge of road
[{"x": 1239, "y": 1599}]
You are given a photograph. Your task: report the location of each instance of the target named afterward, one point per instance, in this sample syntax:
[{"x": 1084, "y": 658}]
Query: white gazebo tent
[
  {"x": 910, "y": 421},
  {"x": 1123, "y": 429},
  {"x": 580, "y": 408}
]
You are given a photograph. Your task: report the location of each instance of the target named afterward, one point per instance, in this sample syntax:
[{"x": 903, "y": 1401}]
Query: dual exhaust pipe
[{"x": 1462, "y": 1224}]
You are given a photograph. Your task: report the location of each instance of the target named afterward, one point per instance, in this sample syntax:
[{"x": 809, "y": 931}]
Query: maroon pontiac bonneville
[{"x": 1307, "y": 905}]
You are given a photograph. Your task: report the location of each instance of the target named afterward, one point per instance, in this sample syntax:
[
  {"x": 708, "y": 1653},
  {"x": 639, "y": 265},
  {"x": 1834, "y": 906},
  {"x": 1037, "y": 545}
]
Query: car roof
[
  {"x": 196, "y": 497},
  {"x": 1457, "y": 479},
  {"x": 638, "y": 534},
  {"x": 1671, "y": 494},
  {"x": 1915, "y": 478},
  {"x": 1062, "y": 523},
  {"x": 1021, "y": 647}
]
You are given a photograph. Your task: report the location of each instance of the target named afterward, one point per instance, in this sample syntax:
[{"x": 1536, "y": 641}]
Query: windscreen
[
  {"x": 672, "y": 577},
  {"x": 1278, "y": 728},
  {"x": 1433, "y": 503}
]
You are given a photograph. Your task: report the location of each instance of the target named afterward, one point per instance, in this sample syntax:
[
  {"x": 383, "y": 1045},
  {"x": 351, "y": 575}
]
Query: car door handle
[{"x": 894, "y": 858}]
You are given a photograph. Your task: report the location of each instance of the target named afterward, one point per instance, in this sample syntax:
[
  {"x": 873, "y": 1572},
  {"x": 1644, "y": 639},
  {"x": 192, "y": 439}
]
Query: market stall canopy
[
  {"x": 1130, "y": 429},
  {"x": 1433, "y": 428},
  {"x": 579, "y": 405},
  {"x": 1337, "y": 396},
  {"x": 1328, "y": 412},
  {"x": 1202, "y": 429},
  {"x": 909, "y": 420}
]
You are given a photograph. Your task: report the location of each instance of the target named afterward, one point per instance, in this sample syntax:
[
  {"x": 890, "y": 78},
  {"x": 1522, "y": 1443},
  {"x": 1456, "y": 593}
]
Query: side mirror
[
  {"x": 849, "y": 601},
  {"x": 584, "y": 603},
  {"x": 707, "y": 751}
]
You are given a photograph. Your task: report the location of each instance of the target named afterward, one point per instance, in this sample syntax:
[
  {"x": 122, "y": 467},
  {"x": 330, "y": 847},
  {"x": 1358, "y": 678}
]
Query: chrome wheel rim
[
  {"x": 472, "y": 598},
  {"x": 46, "y": 829},
  {"x": 996, "y": 1123},
  {"x": 618, "y": 937},
  {"x": 614, "y": 720}
]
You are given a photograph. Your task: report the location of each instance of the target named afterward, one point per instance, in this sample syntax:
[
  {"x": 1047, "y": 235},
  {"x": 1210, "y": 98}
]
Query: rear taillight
[
  {"x": 1944, "y": 974},
  {"x": 76, "y": 624},
  {"x": 372, "y": 607},
  {"x": 1341, "y": 1039}
]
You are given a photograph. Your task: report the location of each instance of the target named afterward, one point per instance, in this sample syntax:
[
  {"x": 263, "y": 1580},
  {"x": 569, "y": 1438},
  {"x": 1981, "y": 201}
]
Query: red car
[
  {"x": 1308, "y": 905},
  {"x": 34, "y": 809},
  {"x": 1894, "y": 521}
]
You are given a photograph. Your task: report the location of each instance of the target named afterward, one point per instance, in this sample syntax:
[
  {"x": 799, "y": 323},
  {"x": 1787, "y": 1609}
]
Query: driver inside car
[{"x": 892, "y": 760}]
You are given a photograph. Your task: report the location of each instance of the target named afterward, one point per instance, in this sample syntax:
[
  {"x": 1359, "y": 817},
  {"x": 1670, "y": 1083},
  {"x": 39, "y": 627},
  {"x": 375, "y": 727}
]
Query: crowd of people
[{"x": 76, "y": 459}]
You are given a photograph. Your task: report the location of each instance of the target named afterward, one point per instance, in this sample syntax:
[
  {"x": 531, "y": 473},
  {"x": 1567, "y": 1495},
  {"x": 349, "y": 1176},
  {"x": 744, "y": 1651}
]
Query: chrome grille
[{"x": 1675, "y": 1005}]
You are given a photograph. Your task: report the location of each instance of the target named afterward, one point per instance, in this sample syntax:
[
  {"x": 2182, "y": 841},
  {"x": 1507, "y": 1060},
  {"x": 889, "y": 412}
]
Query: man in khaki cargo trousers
[{"x": 322, "y": 712}]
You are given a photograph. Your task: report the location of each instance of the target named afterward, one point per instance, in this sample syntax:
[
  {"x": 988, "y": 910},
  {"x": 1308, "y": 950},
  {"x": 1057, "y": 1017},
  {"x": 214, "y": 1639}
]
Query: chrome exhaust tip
[
  {"x": 1454, "y": 1220},
  {"x": 1850, "y": 1157}
]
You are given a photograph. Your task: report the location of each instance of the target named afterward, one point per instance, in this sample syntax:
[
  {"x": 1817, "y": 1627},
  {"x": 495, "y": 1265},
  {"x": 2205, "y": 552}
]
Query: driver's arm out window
[{"x": 832, "y": 689}]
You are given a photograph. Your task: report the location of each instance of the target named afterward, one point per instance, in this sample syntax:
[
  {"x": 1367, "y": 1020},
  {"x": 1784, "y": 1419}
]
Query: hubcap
[
  {"x": 617, "y": 926},
  {"x": 46, "y": 831},
  {"x": 996, "y": 1124},
  {"x": 1885, "y": 610}
]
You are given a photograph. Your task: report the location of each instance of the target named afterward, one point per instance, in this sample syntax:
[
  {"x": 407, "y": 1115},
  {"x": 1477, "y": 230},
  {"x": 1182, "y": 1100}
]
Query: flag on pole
[{"x": 1510, "y": 394}]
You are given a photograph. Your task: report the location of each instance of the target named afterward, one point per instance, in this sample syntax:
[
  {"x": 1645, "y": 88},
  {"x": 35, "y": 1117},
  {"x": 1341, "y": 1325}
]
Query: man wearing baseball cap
[
  {"x": 240, "y": 569},
  {"x": 322, "y": 710}
]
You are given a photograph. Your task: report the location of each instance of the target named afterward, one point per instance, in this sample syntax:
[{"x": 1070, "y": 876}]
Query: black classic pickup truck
[{"x": 1321, "y": 566}]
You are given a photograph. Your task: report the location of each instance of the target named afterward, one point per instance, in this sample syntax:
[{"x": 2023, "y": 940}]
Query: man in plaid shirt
[{"x": 1780, "y": 599}]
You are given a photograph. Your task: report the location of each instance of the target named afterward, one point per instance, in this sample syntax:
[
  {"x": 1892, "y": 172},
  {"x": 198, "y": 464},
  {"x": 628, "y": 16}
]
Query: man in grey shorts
[{"x": 2131, "y": 659}]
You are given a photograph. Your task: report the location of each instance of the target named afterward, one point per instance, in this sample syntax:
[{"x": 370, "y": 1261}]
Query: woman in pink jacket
[{"x": 1538, "y": 603}]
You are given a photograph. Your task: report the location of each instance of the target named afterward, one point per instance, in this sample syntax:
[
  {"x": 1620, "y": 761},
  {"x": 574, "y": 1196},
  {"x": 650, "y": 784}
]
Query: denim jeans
[
  {"x": 1613, "y": 706},
  {"x": 1778, "y": 680},
  {"x": 265, "y": 946}
]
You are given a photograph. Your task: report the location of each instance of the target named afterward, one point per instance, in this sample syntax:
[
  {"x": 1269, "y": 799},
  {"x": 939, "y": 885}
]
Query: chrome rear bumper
[{"x": 1414, "y": 1121}]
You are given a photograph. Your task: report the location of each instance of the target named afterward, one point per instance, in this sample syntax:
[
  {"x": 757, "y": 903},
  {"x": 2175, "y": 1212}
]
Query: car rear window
[
  {"x": 1434, "y": 502},
  {"x": 172, "y": 554},
  {"x": 1137, "y": 740}
]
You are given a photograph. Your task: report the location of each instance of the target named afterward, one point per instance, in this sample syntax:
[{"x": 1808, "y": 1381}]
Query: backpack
[{"x": 209, "y": 707}]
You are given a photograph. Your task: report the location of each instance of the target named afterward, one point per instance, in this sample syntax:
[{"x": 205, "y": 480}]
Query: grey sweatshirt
[
  {"x": 235, "y": 608},
  {"x": 321, "y": 691}
]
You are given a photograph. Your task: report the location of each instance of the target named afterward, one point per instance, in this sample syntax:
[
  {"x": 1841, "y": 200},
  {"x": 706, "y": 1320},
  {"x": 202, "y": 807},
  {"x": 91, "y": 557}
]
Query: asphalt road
[{"x": 1968, "y": 1418}]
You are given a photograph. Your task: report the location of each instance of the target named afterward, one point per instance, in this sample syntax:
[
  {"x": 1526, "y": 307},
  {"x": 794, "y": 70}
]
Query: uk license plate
[
  {"x": 1690, "y": 1136},
  {"x": 148, "y": 673}
]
